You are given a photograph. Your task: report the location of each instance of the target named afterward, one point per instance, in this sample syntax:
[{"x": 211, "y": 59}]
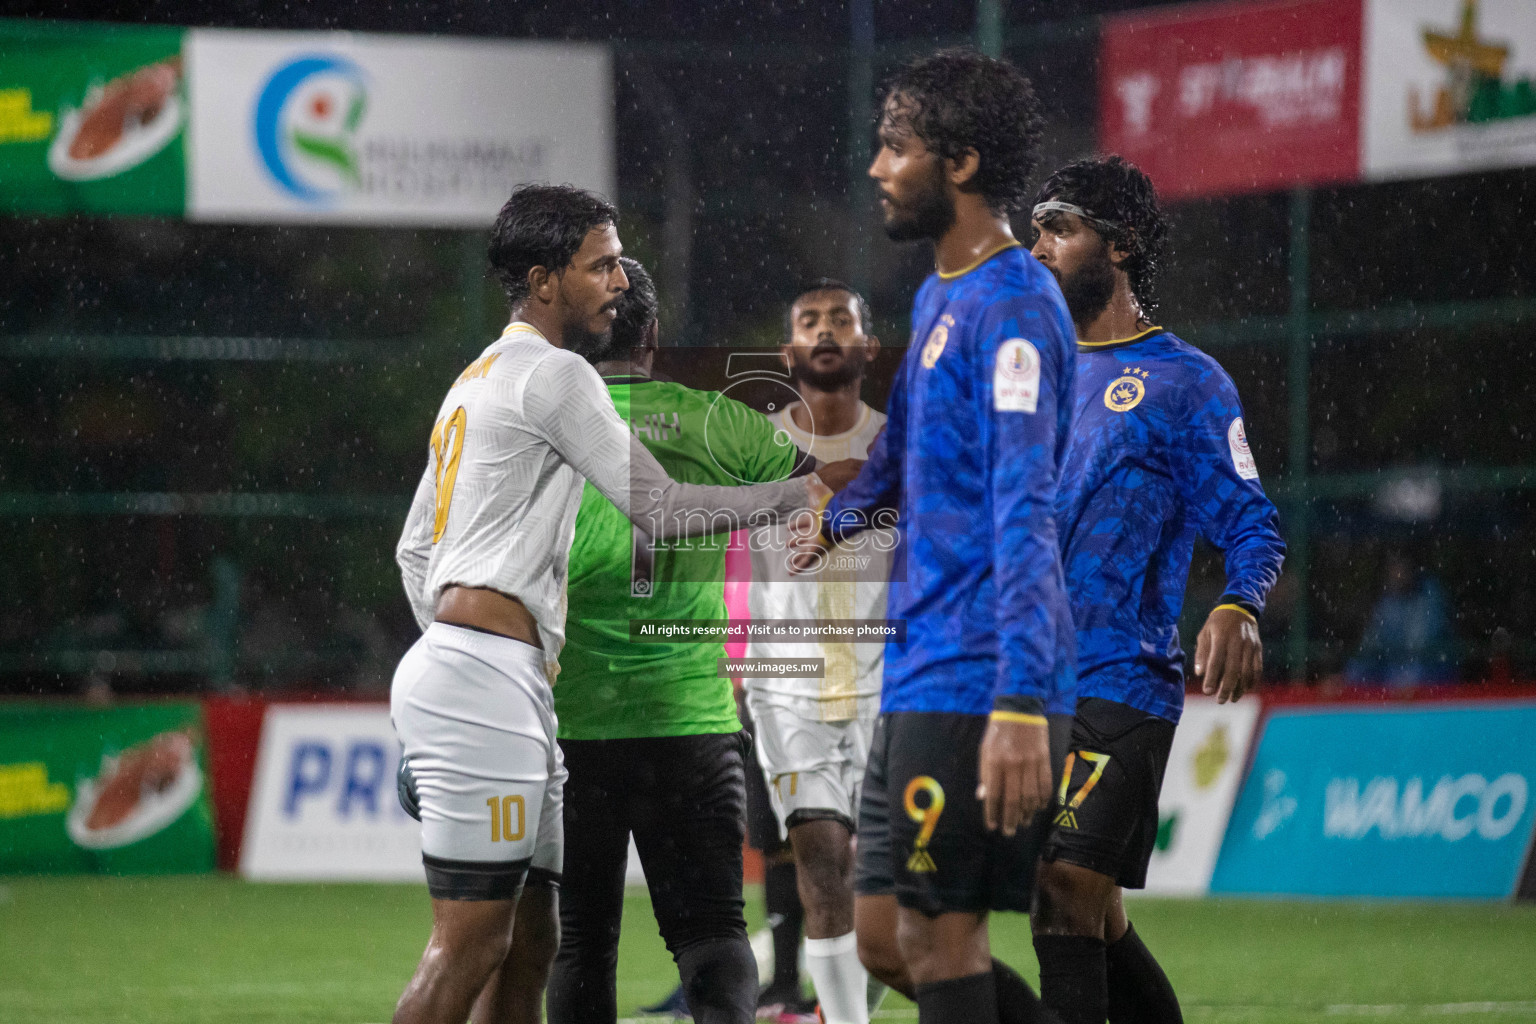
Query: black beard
[
  {"x": 599, "y": 348},
  {"x": 1090, "y": 288},
  {"x": 931, "y": 214},
  {"x": 831, "y": 380},
  {"x": 585, "y": 343}
]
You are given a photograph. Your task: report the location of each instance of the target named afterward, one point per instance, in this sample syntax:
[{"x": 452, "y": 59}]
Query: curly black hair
[
  {"x": 543, "y": 226},
  {"x": 959, "y": 99},
  {"x": 827, "y": 284},
  {"x": 1120, "y": 196}
]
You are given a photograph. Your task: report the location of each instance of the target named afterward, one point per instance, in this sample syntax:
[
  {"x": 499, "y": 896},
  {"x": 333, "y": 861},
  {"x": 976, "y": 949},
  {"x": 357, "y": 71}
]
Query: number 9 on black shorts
[{"x": 921, "y": 830}]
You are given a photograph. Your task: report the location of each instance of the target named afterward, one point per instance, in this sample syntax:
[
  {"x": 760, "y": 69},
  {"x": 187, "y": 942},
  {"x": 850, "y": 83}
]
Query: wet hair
[
  {"x": 957, "y": 100},
  {"x": 1116, "y": 193},
  {"x": 638, "y": 309},
  {"x": 826, "y": 284},
  {"x": 543, "y": 226}
]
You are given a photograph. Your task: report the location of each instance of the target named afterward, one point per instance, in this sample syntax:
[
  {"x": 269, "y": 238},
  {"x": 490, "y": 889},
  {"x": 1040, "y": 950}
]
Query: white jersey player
[
  {"x": 813, "y": 734},
  {"x": 484, "y": 556}
]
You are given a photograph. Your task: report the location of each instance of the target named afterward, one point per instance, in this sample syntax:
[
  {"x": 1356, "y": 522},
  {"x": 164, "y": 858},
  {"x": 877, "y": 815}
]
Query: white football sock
[{"x": 841, "y": 982}]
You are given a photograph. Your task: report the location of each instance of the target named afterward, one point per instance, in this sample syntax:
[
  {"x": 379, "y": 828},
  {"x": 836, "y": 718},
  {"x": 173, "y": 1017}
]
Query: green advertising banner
[
  {"x": 92, "y": 119},
  {"x": 119, "y": 790}
]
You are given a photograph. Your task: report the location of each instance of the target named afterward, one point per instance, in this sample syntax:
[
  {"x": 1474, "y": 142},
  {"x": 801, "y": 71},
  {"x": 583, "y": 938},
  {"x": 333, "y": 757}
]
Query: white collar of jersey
[
  {"x": 788, "y": 421},
  {"x": 522, "y": 327}
]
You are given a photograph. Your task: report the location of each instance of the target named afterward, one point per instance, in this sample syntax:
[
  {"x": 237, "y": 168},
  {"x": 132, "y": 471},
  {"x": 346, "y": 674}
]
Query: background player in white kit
[
  {"x": 484, "y": 559},
  {"x": 813, "y": 735}
]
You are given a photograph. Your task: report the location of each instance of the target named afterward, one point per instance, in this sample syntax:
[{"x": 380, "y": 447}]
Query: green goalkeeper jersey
[{"x": 608, "y": 687}]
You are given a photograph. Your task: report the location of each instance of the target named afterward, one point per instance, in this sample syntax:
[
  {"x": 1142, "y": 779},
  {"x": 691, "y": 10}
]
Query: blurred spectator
[{"x": 1408, "y": 640}]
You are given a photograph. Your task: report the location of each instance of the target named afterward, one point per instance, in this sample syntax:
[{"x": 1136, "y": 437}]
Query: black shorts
[
  {"x": 1105, "y": 818},
  {"x": 921, "y": 830}
]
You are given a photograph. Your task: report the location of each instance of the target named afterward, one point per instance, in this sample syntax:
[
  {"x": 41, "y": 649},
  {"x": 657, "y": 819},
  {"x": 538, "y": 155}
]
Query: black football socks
[
  {"x": 1139, "y": 991},
  {"x": 968, "y": 1000},
  {"x": 1016, "y": 1001},
  {"x": 781, "y": 898},
  {"x": 1073, "y": 977}
]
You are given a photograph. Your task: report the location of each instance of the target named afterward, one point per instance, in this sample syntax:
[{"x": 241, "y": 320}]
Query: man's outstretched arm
[{"x": 567, "y": 403}]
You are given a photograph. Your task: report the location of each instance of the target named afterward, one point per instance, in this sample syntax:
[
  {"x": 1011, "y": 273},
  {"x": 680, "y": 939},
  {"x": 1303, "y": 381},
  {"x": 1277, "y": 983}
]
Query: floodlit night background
[{"x": 243, "y": 254}]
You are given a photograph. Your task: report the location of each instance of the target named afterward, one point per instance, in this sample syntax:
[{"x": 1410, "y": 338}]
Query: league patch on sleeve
[
  {"x": 1242, "y": 458},
  {"x": 1016, "y": 381}
]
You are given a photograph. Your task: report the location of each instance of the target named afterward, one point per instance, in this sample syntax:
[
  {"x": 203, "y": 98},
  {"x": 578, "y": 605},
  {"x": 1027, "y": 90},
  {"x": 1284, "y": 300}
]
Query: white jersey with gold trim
[
  {"x": 852, "y": 585},
  {"x": 496, "y": 507}
]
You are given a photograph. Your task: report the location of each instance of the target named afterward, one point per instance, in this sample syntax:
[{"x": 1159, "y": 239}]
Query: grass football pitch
[{"x": 215, "y": 949}]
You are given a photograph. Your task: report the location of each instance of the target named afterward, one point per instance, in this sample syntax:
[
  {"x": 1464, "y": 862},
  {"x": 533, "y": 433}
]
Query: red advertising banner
[{"x": 1234, "y": 97}]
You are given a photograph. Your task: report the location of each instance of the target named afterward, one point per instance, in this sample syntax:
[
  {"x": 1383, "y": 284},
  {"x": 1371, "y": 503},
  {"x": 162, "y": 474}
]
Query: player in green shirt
[
  {"x": 611, "y": 688},
  {"x": 649, "y": 730}
]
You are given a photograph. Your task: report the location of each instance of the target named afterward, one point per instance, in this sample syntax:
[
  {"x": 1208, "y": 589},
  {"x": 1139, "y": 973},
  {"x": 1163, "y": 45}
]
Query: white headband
[{"x": 1056, "y": 206}]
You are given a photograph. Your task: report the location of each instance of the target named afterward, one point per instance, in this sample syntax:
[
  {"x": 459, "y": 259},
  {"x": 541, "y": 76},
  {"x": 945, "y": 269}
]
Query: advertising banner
[
  {"x": 341, "y": 127},
  {"x": 1205, "y": 768},
  {"x": 117, "y": 790},
  {"x": 92, "y": 119},
  {"x": 1417, "y": 802},
  {"x": 1232, "y": 97},
  {"x": 1450, "y": 86},
  {"x": 318, "y": 127},
  {"x": 323, "y": 805}
]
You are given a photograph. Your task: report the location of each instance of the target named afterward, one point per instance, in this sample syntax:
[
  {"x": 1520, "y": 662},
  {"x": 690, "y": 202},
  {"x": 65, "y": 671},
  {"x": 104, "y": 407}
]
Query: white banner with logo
[
  {"x": 1205, "y": 768},
  {"x": 323, "y": 804},
  {"x": 1450, "y": 86},
  {"x": 348, "y": 128}
]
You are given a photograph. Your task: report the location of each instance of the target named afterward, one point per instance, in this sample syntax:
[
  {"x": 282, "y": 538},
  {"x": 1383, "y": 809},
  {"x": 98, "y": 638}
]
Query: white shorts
[
  {"x": 476, "y": 719},
  {"x": 814, "y": 768}
]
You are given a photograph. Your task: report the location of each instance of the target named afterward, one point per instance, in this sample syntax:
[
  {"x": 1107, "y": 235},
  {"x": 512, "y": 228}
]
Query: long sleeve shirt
[
  {"x": 969, "y": 461},
  {"x": 1158, "y": 456}
]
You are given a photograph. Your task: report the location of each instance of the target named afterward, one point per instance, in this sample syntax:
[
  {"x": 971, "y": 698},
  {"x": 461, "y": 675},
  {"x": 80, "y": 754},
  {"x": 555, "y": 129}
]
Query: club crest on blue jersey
[
  {"x": 937, "y": 339},
  {"x": 1124, "y": 393}
]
